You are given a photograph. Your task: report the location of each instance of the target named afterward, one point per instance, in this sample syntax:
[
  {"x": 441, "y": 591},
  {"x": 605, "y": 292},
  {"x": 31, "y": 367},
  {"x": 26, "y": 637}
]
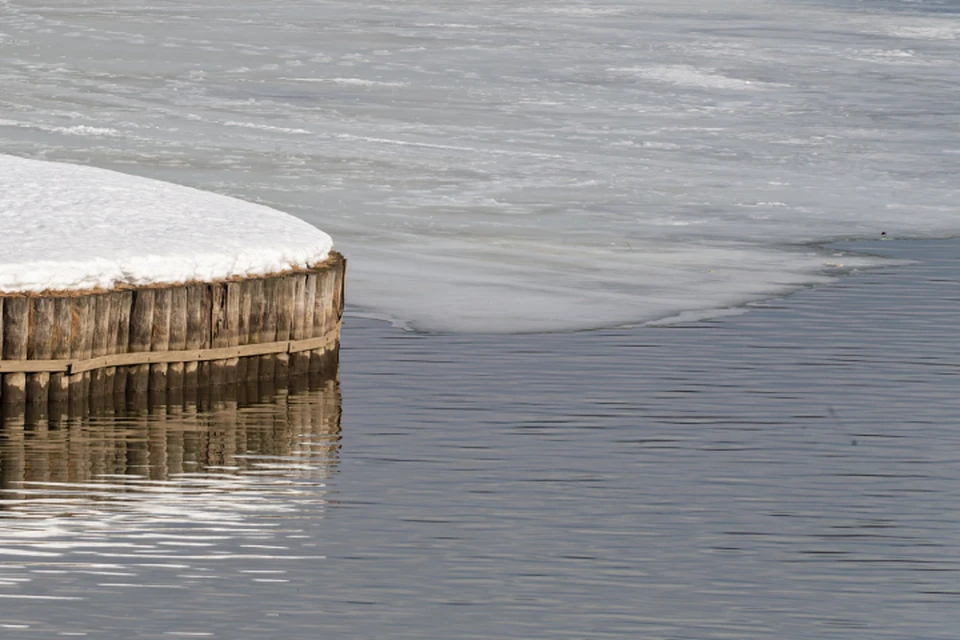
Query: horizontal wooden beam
[{"x": 158, "y": 357}]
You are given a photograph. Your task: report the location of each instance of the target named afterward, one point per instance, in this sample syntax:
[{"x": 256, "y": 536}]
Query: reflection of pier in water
[
  {"x": 164, "y": 492},
  {"x": 244, "y": 429}
]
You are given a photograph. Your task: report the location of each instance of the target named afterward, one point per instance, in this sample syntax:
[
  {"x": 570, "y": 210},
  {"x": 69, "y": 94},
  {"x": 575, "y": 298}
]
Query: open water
[{"x": 791, "y": 472}]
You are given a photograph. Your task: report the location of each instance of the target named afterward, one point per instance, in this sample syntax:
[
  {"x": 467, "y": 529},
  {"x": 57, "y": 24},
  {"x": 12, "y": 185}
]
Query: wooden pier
[{"x": 71, "y": 347}]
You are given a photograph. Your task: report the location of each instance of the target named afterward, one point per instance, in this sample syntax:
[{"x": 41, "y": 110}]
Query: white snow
[{"x": 70, "y": 227}]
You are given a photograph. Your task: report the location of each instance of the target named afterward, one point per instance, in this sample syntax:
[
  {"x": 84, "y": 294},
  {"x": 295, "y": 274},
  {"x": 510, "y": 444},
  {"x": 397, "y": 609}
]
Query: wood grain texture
[
  {"x": 140, "y": 338},
  {"x": 233, "y": 321},
  {"x": 199, "y": 309},
  {"x": 124, "y": 310},
  {"x": 178, "y": 336},
  {"x": 72, "y": 348},
  {"x": 220, "y": 331},
  {"x": 245, "y": 291},
  {"x": 100, "y": 325},
  {"x": 15, "y": 331},
  {"x": 73, "y": 367},
  {"x": 40, "y": 347},
  {"x": 323, "y": 316},
  {"x": 284, "y": 314},
  {"x": 268, "y": 325},
  {"x": 302, "y": 326},
  {"x": 160, "y": 337},
  {"x": 59, "y": 392},
  {"x": 81, "y": 348},
  {"x": 257, "y": 304}
]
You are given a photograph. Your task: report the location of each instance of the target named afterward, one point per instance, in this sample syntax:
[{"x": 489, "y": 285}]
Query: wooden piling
[
  {"x": 74, "y": 347},
  {"x": 199, "y": 310},
  {"x": 160, "y": 337},
  {"x": 219, "y": 330},
  {"x": 40, "y": 347},
  {"x": 268, "y": 324},
  {"x": 100, "y": 321},
  {"x": 15, "y": 330},
  {"x": 304, "y": 293},
  {"x": 244, "y": 317},
  {"x": 81, "y": 348},
  {"x": 177, "y": 336},
  {"x": 233, "y": 321},
  {"x": 141, "y": 336},
  {"x": 112, "y": 322},
  {"x": 123, "y": 311},
  {"x": 284, "y": 315},
  {"x": 324, "y": 316},
  {"x": 257, "y": 305},
  {"x": 224, "y": 330},
  {"x": 59, "y": 391}
]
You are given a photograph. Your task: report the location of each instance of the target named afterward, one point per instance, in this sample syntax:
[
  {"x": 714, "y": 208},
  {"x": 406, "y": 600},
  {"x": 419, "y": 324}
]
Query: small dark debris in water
[
  {"x": 883, "y": 233},
  {"x": 853, "y": 442}
]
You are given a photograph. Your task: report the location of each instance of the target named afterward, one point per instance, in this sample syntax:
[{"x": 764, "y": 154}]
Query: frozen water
[
  {"x": 507, "y": 166},
  {"x": 66, "y": 227}
]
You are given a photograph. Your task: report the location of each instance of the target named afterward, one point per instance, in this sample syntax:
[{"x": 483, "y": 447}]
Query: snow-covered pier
[{"x": 114, "y": 284}]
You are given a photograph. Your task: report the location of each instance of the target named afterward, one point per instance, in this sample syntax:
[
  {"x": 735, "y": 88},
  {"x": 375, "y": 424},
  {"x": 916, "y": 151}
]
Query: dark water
[{"x": 793, "y": 472}]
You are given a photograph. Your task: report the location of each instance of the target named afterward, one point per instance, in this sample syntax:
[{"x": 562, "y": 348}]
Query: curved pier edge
[{"x": 67, "y": 348}]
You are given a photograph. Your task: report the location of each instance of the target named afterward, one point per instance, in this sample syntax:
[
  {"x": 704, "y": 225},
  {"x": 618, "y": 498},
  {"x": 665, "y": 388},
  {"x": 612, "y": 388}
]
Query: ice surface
[
  {"x": 505, "y": 166},
  {"x": 68, "y": 227}
]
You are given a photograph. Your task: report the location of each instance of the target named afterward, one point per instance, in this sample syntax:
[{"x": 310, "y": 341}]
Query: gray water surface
[{"x": 792, "y": 472}]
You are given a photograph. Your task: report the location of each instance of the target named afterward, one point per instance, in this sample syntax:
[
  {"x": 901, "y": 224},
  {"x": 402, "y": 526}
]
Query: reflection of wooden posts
[
  {"x": 69, "y": 349},
  {"x": 13, "y": 455},
  {"x": 59, "y": 467},
  {"x": 157, "y": 429},
  {"x": 178, "y": 416},
  {"x": 137, "y": 460},
  {"x": 156, "y": 441}
]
